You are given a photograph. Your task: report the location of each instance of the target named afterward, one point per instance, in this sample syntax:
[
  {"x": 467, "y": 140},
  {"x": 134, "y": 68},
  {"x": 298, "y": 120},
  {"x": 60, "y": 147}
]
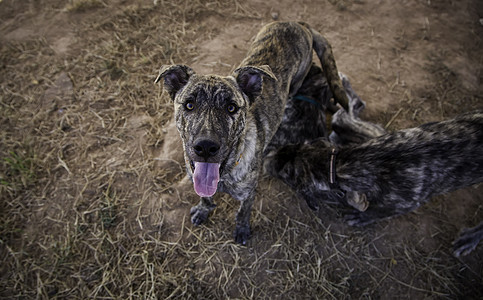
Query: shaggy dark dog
[
  {"x": 395, "y": 173},
  {"x": 380, "y": 174}
]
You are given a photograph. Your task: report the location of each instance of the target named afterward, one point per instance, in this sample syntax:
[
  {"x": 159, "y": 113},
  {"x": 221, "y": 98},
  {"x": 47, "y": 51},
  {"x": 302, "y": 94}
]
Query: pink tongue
[{"x": 206, "y": 178}]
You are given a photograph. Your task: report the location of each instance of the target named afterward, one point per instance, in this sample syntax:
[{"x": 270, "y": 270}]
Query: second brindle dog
[
  {"x": 389, "y": 173},
  {"x": 396, "y": 172}
]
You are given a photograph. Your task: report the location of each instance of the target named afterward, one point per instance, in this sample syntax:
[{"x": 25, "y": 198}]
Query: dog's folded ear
[
  {"x": 250, "y": 79},
  {"x": 175, "y": 77}
]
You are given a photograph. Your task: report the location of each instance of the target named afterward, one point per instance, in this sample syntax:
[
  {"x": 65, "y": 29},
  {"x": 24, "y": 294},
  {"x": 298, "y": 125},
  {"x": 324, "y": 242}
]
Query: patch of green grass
[
  {"x": 18, "y": 170},
  {"x": 108, "y": 212}
]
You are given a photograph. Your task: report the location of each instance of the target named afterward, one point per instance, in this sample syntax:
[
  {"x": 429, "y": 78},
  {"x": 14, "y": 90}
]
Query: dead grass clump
[
  {"x": 83, "y": 5},
  {"x": 90, "y": 209}
]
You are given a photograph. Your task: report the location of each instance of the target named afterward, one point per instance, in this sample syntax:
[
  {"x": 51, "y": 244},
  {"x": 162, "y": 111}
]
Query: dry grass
[
  {"x": 86, "y": 211},
  {"x": 83, "y": 5}
]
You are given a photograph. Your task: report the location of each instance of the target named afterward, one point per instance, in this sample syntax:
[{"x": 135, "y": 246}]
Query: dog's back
[
  {"x": 460, "y": 151},
  {"x": 400, "y": 171},
  {"x": 433, "y": 158}
]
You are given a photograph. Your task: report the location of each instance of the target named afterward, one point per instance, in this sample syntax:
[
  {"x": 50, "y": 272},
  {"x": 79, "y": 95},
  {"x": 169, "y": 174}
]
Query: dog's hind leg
[
  {"x": 374, "y": 214},
  {"x": 347, "y": 127},
  {"x": 468, "y": 240},
  {"x": 200, "y": 212}
]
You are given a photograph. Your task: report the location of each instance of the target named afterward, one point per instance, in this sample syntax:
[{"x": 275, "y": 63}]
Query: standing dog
[
  {"x": 395, "y": 172},
  {"x": 225, "y": 123}
]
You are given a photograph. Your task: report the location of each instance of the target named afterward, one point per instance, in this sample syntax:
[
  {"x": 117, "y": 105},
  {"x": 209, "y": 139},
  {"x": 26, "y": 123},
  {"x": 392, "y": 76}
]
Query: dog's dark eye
[
  {"x": 189, "y": 105},
  {"x": 232, "y": 108}
]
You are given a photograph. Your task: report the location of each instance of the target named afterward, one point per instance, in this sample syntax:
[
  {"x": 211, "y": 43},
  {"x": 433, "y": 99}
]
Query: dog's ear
[
  {"x": 175, "y": 77},
  {"x": 250, "y": 79}
]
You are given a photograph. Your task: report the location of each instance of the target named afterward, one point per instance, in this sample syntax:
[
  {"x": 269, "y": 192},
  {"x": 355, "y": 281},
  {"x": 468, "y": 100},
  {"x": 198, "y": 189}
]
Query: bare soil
[{"x": 93, "y": 198}]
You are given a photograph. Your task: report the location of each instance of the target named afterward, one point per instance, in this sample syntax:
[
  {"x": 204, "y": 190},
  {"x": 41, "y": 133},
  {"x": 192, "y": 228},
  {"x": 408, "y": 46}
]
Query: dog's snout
[{"x": 206, "y": 148}]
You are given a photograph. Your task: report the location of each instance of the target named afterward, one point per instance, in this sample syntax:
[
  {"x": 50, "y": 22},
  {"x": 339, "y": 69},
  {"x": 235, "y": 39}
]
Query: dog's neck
[
  {"x": 245, "y": 154},
  {"x": 332, "y": 167},
  {"x": 333, "y": 184}
]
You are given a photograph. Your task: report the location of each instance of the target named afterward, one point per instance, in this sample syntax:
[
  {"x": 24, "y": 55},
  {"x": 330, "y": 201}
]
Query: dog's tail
[{"x": 324, "y": 52}]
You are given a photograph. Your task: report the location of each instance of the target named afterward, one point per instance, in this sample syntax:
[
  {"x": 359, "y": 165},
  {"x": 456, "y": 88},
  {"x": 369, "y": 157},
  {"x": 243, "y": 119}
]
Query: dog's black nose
[{"x": 206, "y": 148}]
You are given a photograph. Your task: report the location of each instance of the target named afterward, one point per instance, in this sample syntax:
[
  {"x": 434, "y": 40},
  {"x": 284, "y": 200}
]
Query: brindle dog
[
  {"x": 304, "y": 121},
  {"x": 394, "y": 172},
  {"x": 226, "y": 122}
]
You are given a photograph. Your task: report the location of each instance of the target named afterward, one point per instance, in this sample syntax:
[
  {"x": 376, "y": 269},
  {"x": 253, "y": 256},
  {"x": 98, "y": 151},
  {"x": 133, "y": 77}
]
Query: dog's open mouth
[{"x": 206, "y": 177}]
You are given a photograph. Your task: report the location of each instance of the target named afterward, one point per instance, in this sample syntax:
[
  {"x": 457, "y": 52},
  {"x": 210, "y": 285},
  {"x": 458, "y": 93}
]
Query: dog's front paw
[
  {"x": 242, "y": 234},
  {"x": 358, "y": 201},
  {"x": 199, "y": 214}
]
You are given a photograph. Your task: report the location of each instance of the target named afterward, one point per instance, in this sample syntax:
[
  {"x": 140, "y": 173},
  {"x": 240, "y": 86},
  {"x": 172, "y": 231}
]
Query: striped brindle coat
[
  {"x": 378, "y": 174},
  {"x": 226, "y": 122}
]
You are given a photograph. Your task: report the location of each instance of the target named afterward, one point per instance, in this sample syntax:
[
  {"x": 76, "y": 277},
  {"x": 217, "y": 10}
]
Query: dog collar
[
  {"x": 306, "y": 99},
  {"x": 334, "y": 186}
]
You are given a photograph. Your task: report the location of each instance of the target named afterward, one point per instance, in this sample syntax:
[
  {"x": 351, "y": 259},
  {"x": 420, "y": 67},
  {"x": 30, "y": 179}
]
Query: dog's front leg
[
  {"x": 245, "y": 193},
  {"x": 242, "y": 229},
  {"x": 200, "y": 212}
]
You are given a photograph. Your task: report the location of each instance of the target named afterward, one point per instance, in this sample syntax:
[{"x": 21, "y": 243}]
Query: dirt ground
[{"x": 93, "y": 198}]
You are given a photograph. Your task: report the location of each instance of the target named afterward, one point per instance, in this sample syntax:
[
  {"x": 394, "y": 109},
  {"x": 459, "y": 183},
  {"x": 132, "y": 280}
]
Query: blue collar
[{"x": 306, "y": 99}]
